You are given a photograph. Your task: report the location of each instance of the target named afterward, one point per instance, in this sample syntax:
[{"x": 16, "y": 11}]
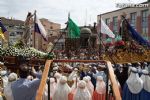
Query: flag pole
[
  {"x": 67, "y": 25},
  {"x": 100, "y": 46},
  {"x": 60, "y": 36},
  {"x": 67, "y": 37},
  {"x": 56, "y": 43},
  {"x": 34, "y": 26}
]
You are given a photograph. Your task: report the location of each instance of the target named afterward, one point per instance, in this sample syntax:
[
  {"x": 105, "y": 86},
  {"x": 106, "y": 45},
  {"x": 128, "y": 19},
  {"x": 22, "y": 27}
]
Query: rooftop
[
  {"x": 44, "y": 19},
  {"x": 6, "y": 21}
]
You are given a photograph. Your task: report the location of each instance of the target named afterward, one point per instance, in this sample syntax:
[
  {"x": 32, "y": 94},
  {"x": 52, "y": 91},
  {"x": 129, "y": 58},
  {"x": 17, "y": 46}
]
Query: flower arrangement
[{"x": 28, "y": 52}]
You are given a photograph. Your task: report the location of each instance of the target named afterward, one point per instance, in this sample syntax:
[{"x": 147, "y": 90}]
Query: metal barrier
[{"x": 110, "y": 75}]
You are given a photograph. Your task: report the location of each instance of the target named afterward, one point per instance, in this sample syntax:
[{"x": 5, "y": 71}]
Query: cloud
[{"x": 57, "y": 10}]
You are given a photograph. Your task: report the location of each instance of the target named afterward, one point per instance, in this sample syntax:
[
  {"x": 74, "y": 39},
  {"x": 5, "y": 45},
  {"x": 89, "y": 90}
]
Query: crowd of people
[
  {"x": 20, "y": 86},
  {"x": 84, "y": 81},
  {"x": 82, "y": 54},
  {"x": 80, "y": 84}
]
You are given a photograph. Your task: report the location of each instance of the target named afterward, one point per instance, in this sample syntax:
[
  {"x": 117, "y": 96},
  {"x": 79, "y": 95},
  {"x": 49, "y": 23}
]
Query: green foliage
[
  {"x": 19, "y": 44},
  {"x": 50, "y": 56}
]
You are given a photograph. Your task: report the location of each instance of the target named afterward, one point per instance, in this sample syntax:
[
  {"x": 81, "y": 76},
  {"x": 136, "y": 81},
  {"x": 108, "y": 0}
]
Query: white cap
[
  {"x": 85, "y": 79},
  {"x": 145, "y": 63},
  {"x": 86, "y": 64},
  {"x": 133, "y": 69},
  {"x": 95, "y": 68},
  {"x": 1, "y": 63},
  {"x": 12, "y": 77},
  {"x": 63, "y": 79},
  {"x": 68, "y": 66},
  {"x": 89, "y": 78},
  {"x": 3, "y": 72},
  {"x": 52, "y": 80},
  {"x": 55, "y": 64},
  {"x": 66, "y": 57},
  {"x": 55, "y": 68},
  {"x": 139, "y": 63},
  {"x": 75, "y": 69},
  {"x": 120, "y": 65},
  {"x": 129, "y": 64},
  {"x": 90, "y": 66},
  {"x": 57, "y": 75},
  {"x": 82, "y": 84},
  {"x": 100, "y": 78},
  {"x": 144, "y": 71}
]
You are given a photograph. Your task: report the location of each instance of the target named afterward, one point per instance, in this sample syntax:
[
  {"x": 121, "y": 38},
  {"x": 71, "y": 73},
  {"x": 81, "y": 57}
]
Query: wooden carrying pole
[
  {"x": 113, "y": 81},
  {"x": 110, "y": 72},
  {"x": 43, "y": 80}
]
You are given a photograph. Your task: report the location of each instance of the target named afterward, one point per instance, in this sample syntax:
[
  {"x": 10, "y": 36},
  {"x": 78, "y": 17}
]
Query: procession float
[
  {"x": 129, "y": 46},
  {"x": 12, "y": 56}
]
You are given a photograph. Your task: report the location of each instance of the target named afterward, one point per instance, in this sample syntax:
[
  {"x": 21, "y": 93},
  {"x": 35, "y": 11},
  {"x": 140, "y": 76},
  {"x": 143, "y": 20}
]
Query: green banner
[{"x": 74, "y": 30}]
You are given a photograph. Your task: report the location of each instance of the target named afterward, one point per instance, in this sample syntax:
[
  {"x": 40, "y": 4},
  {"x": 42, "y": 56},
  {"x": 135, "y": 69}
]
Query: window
[
  {"x": 12, "y": 40},
  {"x": 145, "y": 24},
  {"x": 19, "y": 33},
  {"x": 12, "y": 34},
  {"x": 107, "y": 21},
  {"x": 115, "y": 25},
  {"x": 11, "y": 26},
  {"x": 133, "y": 20},
  {"x": 51, "y": 27}
]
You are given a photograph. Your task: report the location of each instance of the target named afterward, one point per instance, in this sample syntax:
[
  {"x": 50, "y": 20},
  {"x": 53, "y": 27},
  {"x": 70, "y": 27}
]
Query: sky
[{"x": 82, "y": 12}]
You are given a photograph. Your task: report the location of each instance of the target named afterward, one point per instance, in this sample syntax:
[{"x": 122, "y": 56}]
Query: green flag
[{"x": 74, "y": 30}]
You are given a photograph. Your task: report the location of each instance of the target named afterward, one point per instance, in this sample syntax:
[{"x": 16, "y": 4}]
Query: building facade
[
  {"x": 53, "y": 31},
  {"x": 15, "y": 30},
  {"x": 139, "y": 18}
]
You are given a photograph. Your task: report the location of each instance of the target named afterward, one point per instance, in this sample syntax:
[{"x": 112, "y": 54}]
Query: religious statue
[
  {"x": 27, "y": 24},
  {"x": 124, "y": 32}
]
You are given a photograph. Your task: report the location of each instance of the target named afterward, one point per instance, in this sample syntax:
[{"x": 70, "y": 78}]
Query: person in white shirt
[
  {"x": 73, "y": 74},
  {"x": 7, "y": 90},
  {"x": 4, "y": 77},
  {"x": 52, "y": 87}
]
